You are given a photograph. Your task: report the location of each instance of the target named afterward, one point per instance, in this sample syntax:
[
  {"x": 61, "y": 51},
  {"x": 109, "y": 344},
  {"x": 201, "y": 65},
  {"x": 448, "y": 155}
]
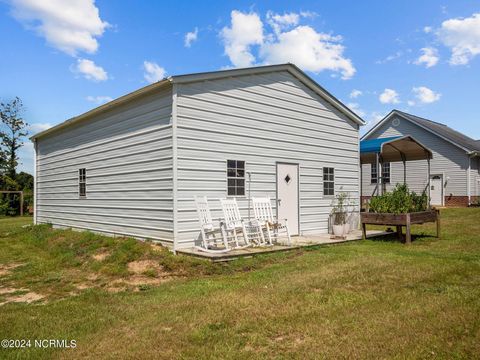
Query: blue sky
[{"x": 66, "y": 57}]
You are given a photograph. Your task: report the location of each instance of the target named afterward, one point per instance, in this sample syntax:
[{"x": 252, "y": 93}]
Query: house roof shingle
[{"x": 444, "y": 131}]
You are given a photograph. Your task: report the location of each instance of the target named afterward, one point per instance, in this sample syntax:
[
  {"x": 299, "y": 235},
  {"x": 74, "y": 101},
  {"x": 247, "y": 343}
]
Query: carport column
[
  {"x": 469, "y": 187},
  {"x": 379, "y": 175},
  {"x": 404, "y": 172},
  {"x": 428, "y": 161}
]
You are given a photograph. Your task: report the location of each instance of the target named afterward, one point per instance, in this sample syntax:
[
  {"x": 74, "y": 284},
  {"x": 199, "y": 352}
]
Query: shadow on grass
[{"x": 393, "y": 237}]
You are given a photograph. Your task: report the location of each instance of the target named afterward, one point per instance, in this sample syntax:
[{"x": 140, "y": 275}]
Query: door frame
[
  {"x": 298, "y": 189},
  {"x": 442, "y": 175}
]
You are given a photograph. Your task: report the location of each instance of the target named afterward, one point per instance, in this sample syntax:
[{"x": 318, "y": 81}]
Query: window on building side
[
  {"x": 235, "y": 178},
  {"x": 82, "y": 182},
  {"x": 328, "y": 181}
]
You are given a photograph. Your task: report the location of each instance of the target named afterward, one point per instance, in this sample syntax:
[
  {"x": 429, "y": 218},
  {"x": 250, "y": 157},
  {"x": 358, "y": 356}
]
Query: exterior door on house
[
  {"x": 436, "y": 190},
  {"x": 287, "y": 195}
]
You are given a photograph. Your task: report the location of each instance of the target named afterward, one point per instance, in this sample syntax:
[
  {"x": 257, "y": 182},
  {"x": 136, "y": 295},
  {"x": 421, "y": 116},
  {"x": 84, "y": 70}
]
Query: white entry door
[
  {"x": 287, "y": 195},
  {"x": 436, "y": 190}
]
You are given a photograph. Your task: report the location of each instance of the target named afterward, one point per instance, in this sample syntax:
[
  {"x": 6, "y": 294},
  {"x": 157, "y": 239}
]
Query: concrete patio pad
[{"x": 297, "y": 243}]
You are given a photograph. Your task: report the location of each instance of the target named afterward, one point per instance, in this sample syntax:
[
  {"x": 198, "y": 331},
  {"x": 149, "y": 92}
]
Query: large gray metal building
[{"x": 133, "y": 166}]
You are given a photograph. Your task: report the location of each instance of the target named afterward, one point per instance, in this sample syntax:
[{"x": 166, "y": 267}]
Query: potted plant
[{"x": 340, "y": 214}]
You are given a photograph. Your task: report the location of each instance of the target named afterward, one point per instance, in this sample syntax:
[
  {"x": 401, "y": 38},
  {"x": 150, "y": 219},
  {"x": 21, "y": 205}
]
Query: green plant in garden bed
[{"x": 400, "y": 201}]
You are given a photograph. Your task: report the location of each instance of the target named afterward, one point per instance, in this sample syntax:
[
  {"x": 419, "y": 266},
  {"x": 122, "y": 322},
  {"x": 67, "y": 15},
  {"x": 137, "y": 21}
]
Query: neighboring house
[
  {"x": 133, "y": 166},
  {"x": 455, "y": 167}
]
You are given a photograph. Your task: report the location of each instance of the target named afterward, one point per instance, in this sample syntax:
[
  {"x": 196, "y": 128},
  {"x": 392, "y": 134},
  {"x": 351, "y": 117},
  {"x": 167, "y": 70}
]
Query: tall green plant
[
  {"x": 340, "y": 208},
  {"x": 399, "y": 201}
]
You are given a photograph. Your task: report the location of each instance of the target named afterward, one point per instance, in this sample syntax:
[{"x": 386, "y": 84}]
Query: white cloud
[
  {"x": 99, "y": 99},
  {"x": 89, "y": 70},
  {"x": 309, "y": 50},
  {"x": 462, "y": 36},
  {"x": 427, "y": 29},
  {"x": 429, "y": 57},
  {"x": 289, "y": 42},
  {"x": 355, "y": 107},
  {"x": 411, "y": 103},
  {"x": 280, "y": 22},
  {"x": 426, "y": 95},
  {"x": 153, "y": 72},
  {"x": 389, "y": 96},
  {"x": 245, "y": 30},
  {"x": 355, "y": 93},
  {"x": 389, "y": 58},
  {"x": 190, "y": 37},
  {"x": 69, "y": 26},
  {"x": 37, "y": 127}
]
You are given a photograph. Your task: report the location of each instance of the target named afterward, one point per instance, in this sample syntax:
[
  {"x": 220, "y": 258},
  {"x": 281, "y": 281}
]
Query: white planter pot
[
  {"x": 339, "y": 230},
  {"x": 347, "y": 228}
]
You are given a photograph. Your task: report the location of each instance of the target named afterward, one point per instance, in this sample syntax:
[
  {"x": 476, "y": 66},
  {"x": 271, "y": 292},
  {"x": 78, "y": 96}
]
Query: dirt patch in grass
[
  {"x": 10, "y": 290},
  {"x": 142, "y": 272},
  {"x": 19, "y": 296},
  {"x": 141, "y": 266},
  {"x": 6, "y": 269},
  {"x": 100, "y": 256},
  {"x": 28, "y": 297}
]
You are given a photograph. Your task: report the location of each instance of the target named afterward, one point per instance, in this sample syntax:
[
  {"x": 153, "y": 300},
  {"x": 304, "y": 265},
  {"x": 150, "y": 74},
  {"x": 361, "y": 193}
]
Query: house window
[
  {"x": 373, "y": 174},
  {"x": 328, "y": 181},
  {"x": 82, "y": 182},
  {"x": 385, "y": 173},
  {"x": 235, "y": 178}
]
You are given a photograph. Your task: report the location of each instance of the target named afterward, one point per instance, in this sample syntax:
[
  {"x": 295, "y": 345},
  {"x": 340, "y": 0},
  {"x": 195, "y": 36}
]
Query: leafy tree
[{"x": 12, "y": 135}]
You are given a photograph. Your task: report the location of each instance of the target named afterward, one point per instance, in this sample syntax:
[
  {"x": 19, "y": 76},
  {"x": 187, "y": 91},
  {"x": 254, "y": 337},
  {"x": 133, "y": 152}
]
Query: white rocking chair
[
  {"x": 262, "y": 209},
  {"x": 234, "y": 223},
  {"x": 211, "y": 236}
]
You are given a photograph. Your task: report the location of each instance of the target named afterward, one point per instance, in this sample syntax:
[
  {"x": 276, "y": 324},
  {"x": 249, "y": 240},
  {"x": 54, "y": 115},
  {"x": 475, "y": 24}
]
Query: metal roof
[
  {"x": 375, "y": 145},
  {"x": 392, "y": 149},
  {"x": 178, "y": 79}
]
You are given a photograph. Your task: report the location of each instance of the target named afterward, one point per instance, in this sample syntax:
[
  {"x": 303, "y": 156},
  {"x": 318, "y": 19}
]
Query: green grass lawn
[{"x": 366, "y": 299}]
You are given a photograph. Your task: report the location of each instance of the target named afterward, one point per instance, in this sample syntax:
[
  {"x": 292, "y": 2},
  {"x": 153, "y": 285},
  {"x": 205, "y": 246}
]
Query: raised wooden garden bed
[{"x": 400, "y": 220}]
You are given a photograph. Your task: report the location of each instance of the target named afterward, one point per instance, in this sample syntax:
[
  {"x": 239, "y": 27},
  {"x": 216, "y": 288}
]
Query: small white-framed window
[
  {"x": 373, "y": 174},
  {"x": 82, "y": 182},
  {"x": 328, "y": 181},
  {"x": 235, "y": 177},
  {"x": 386, "y": 173}
]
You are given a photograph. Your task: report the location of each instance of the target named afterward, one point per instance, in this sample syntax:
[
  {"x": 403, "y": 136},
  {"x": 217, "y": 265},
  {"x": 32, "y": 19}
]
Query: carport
[{"x": 393, "y": 149}]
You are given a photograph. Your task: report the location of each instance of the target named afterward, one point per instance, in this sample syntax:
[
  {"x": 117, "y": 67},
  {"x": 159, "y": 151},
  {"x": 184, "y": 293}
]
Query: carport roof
[{"x": 392, "y": 149}]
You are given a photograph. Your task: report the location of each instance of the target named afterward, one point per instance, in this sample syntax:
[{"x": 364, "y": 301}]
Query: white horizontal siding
[
  {"x": 448, "y": 160},
  {"x": 261, "y": 120},
  {"x": 128, "y": 156}
]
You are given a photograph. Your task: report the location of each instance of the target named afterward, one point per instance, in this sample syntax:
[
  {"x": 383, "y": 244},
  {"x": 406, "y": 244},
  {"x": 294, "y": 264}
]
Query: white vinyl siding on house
[
  {"x": 448, "y": 159},
  {"x": 127, "y": 152},
  {"x": 260, "y": 119}
]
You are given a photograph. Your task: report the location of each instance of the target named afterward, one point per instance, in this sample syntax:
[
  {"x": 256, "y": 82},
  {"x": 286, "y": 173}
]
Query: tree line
[{"x": 13, "y": 131}]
